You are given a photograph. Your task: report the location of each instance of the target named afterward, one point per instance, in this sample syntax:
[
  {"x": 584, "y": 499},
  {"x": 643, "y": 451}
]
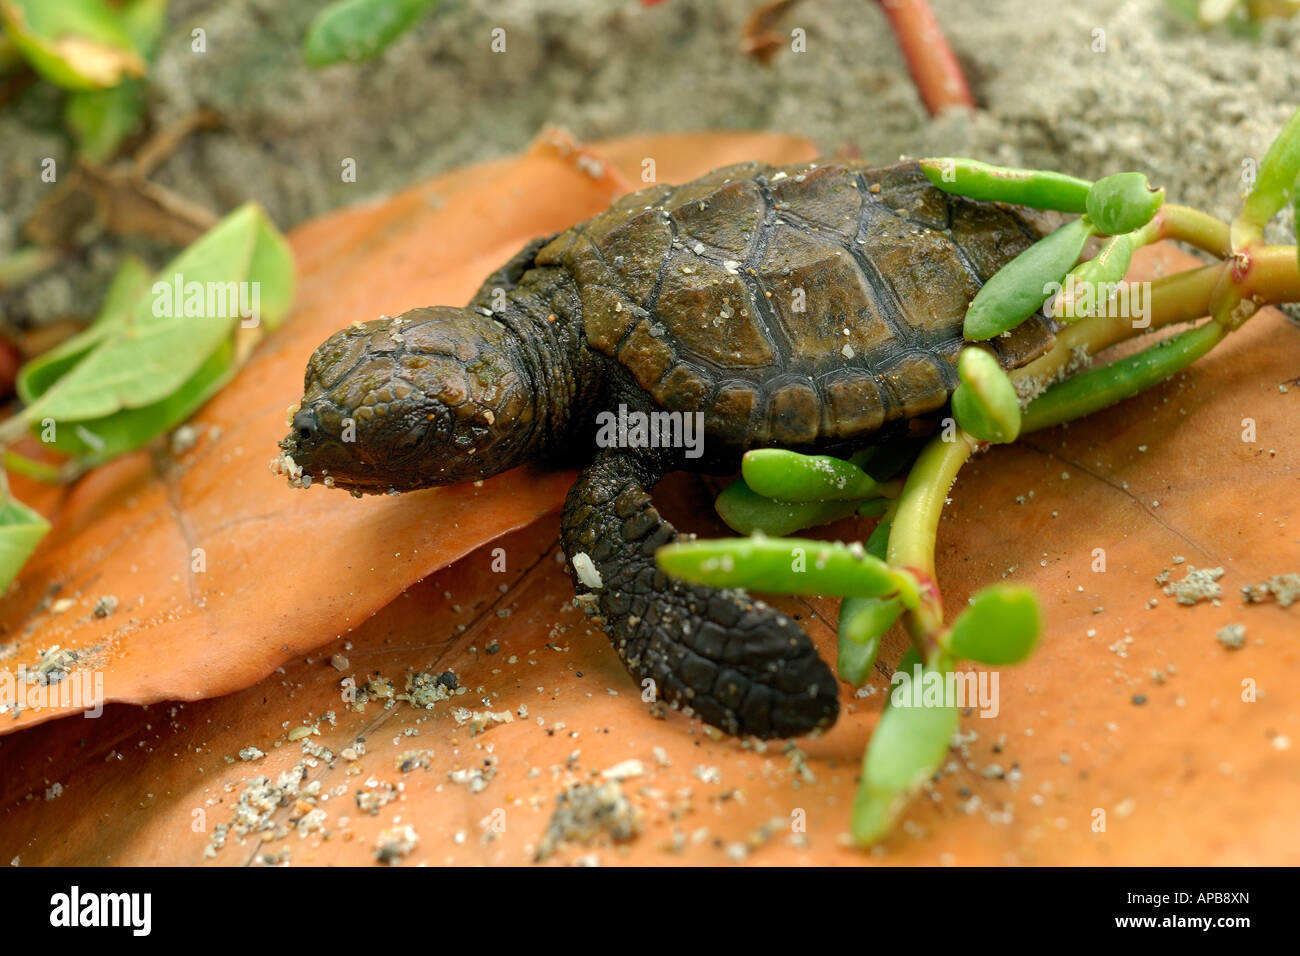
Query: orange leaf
[
  {"x": 283, "y": 572},
  {"x": 1194, "y": 774}
]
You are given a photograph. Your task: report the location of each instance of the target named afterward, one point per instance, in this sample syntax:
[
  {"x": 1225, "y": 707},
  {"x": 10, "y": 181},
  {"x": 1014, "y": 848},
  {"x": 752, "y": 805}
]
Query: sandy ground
[{"x": 1191, "y": 109}]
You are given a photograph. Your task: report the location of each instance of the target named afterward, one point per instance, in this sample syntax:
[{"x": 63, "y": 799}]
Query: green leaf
[
  {"x": 145, "y": 21},
  {"x": 863, "y": 622},
  {"x": 782, "y": 566},
  {"x": 21, "y": 530},
  {"x": 748, "y": 512},
  {"x": 1186, "y": 8},
  {"x": 878, "y": 543},
  {"x": 144, "y": 367},
  {"x": 10, "y": 59},
  {"x": 160, "y": 347},
  {"x": 1096, "y": 388},
  {"x": 1020, "y": 287},
  {"x": 985, "y": 404},
  {"x": 907, "y": 747},
  {"x": 75, "y": 44},
  {"x": 1040, "y": 189},
  {"x": 99, "y": 440},
  {"x": 354, "y": 30},
  {"x": 1001, "y": 626},
  {"x": 129, "y": 282},
  {"x": 874, "y": 507},
  {"x": 271, "y": 267},
  {"x": 101, "y": 120},
  {"x": 1123, "y": 203},
  {"x": 790, "y": 476},
  {"x": 1277, "y": 177},
  {"x": 1093, "y": 283},
  {"x": 24, "y": 264}
]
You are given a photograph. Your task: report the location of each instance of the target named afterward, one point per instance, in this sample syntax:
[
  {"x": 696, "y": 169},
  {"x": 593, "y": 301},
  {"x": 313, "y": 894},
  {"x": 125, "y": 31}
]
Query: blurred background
[{"x": 1089, "y": 88}]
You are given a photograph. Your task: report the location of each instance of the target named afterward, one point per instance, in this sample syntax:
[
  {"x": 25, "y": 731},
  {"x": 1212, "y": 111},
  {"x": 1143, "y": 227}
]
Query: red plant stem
[
  {"x": 934, "y": 67},
  {"x": 1270, "y": 274}
]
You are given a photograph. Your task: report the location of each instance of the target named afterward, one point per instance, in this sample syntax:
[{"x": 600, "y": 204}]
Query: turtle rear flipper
[{"x": 733, "y": 661}]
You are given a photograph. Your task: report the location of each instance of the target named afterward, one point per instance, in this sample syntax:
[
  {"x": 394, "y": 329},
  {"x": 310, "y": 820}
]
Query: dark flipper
[{"x": 735, "y": 662}]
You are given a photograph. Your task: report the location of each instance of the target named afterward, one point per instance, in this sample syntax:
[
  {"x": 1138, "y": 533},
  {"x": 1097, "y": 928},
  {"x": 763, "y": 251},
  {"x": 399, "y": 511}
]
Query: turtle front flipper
[{"x": 735, "y": 662}]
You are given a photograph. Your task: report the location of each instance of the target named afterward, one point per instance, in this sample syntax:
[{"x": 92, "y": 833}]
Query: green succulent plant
[{"x": 890, "y": 578}]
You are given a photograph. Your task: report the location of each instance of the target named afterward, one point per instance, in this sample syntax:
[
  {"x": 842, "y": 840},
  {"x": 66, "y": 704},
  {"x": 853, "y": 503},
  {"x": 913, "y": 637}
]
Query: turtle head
[{"x": 435, "y": 396}]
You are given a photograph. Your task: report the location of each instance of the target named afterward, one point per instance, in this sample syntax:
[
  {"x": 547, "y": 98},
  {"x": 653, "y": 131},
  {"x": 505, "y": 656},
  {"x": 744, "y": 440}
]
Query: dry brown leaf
[
  {"x": 1194, "y": 774},
  {"x": 95, "y": 198},
  {"x": 286, "y": 571}
]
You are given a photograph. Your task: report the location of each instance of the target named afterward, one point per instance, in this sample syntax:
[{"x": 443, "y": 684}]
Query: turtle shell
[{"x": 798, "y": 306}]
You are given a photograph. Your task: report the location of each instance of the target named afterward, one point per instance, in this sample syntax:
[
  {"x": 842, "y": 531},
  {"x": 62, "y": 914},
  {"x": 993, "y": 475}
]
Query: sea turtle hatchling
[{"x": 805, "y": 307}]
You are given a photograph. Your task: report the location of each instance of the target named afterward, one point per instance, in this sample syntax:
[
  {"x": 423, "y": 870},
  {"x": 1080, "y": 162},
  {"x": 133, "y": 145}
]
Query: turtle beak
[
  {"x": 306, "y": 426},
  {"x": 314, "y": 453},
  {"x": 295, "y": 461}
]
